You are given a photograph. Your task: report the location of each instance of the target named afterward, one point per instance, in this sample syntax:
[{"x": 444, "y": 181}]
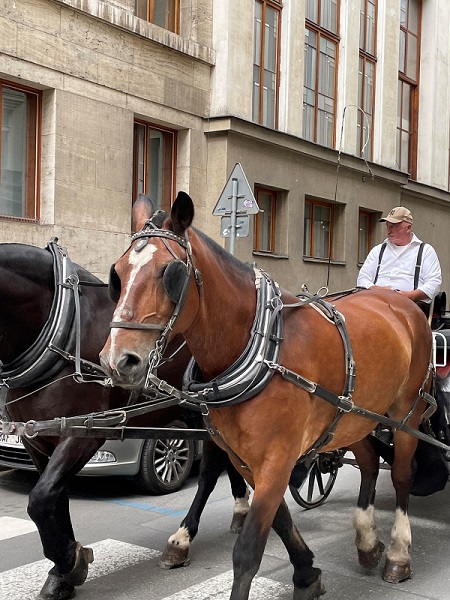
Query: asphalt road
[{"x": 128, "y": 531}]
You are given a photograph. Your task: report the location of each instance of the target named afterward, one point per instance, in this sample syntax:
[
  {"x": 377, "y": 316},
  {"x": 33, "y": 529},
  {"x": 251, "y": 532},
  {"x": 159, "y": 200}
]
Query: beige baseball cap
[{"x": 397, "y": 215}]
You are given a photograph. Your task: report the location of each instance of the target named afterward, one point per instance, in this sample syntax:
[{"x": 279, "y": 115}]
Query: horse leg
[
  {"x": 307, "y": 579},
  {"x": 269, "y": 509},
  {"x": 370, "y": 548},
  {"x": 48, "y": 507},
  {"x": 398, "y": 559},
  {"x": 214, "y": 462},
  {"x": 241, "y": 495}
]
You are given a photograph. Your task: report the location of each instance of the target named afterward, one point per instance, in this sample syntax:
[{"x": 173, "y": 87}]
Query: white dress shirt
[{"x": 398, "y": 266}]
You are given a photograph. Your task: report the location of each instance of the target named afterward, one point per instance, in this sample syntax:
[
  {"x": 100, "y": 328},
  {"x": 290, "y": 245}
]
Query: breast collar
[
  {"x": 250, "y": 373},
  {"x": 39, "y": 362}
]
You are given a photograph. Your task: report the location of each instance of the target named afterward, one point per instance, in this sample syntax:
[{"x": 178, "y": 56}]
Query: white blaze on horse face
[{"x": 137, "y": 260}]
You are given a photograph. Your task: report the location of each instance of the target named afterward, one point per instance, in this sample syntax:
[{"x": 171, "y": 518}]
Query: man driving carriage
[{"x": 402, "y": 262}]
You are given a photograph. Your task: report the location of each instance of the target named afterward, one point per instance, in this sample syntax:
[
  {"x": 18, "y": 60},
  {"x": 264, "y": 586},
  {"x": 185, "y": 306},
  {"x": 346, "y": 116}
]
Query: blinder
[
  {"x": 114, "y": 285},
  {"x": 174, "y": 279}
]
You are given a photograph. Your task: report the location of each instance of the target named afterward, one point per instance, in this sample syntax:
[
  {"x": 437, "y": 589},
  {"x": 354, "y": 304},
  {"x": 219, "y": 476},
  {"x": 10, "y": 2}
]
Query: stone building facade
[{"x": 157, "y": 103}]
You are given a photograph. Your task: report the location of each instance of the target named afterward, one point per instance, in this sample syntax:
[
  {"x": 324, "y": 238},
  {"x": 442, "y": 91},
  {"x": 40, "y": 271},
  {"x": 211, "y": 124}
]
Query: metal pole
[{"x": 234, "y": 194}]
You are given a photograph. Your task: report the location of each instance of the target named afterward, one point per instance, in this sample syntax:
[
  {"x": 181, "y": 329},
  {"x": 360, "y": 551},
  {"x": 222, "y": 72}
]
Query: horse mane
[
  {"x": 27, "y": 253},
  {"x": 223, "y": 255}
]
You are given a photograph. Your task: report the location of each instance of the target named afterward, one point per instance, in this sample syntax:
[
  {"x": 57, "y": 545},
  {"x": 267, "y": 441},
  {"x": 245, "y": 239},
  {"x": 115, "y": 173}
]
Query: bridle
[{"x": 176, "y": 279}]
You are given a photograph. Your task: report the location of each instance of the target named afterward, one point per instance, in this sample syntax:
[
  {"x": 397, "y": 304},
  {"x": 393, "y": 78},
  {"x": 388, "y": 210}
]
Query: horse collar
[
  {"x": 40, "y": 362},
  {"x": 249, "y": 374}
]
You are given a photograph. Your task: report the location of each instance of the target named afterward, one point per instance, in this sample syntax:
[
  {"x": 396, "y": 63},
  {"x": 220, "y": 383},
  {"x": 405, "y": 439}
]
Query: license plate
[{"x": 10, "y": 440}]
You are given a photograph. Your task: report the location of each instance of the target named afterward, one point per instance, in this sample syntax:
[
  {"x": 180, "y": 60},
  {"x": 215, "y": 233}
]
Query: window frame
[
  {"x": 405, "y": 81},
  {"x": 258, "y": 218},
  {"x": 371, "y": 216},
  {"x": 314, "y": 202},
  {"x": 145, "y": 9},
  {"x": 366, "y": 56},
  {"x": 334, "y": 38},
  {"x": 276, "y": 5},
  {"x": 32, "y": 165},
  {"x": 169, "y": 186}
]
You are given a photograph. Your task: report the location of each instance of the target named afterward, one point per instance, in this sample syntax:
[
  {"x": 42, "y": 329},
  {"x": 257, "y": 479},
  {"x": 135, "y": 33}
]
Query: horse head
[{"x": 152, "y": 283}]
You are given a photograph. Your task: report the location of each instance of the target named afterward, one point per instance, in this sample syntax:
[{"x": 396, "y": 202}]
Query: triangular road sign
[{"x": 246, "y": 203}]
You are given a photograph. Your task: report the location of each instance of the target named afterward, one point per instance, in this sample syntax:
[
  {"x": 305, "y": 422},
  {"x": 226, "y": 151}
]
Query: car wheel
[{"x": 165, "y": 464}]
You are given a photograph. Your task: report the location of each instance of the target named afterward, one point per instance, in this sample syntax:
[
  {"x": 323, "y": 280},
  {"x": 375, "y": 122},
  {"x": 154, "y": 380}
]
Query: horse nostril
[{"x": 128, "y": 362}]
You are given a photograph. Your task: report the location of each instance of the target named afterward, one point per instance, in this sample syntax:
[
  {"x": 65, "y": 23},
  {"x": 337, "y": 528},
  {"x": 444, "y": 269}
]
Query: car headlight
[{"x": 103, "y": 456}]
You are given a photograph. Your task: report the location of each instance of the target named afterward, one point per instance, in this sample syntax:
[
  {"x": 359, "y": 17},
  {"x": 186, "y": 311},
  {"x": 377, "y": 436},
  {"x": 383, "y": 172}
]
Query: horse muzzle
[{"x": 127, "y": 370}]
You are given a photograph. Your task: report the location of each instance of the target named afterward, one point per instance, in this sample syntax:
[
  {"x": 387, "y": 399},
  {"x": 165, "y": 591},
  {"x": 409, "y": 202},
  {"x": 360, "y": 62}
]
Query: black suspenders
[
  {"x": 380, "y": 256},
  {"x": 416, "y": 270}
]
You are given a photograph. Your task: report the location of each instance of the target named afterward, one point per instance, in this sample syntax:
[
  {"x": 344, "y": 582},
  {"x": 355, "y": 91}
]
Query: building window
[
  {"x": 164, "y": 13},
  {"x": 266, "y": 63},
  {"x": 408, "y": 89},
  {"x": 154, "y": 163},
  {"x": 20, "y": 118},
  {"x": 320, "y": 82},
  {"x": 366, "y": 78},
  {"x": 265, "y": 222},
  {"x": 317, "y": 229},
  {"x": 366, "y": 224}
]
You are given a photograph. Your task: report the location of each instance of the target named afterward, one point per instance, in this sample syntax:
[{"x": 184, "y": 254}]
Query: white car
[{"x": 158, "y": 466}]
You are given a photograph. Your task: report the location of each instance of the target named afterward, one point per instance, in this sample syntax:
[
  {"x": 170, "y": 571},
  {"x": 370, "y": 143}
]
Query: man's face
[{"x": 399, "y": 233}]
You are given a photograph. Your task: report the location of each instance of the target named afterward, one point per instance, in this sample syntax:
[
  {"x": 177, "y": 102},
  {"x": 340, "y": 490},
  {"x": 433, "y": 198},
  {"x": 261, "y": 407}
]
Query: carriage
[{"x": 183, "y": 275}]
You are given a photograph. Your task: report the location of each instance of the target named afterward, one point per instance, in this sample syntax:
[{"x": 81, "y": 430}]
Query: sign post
[{"x": 234, "y": 205}]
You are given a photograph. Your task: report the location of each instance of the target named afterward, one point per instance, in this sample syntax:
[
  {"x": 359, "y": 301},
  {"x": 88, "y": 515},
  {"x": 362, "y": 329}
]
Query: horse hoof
[
  {"x": 396, "y": 572},
  {"x": 56, "y": 588},
  {"x": 370, "y": 559},
  {"x": 237, "y": 522},
  {"x": 83, "y": 557},
  {"x": 173, "y": 557},
  {"x": 312, "y": 592}
]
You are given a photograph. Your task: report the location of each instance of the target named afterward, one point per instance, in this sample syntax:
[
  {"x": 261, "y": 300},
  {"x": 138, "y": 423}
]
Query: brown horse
[
  {"x": 40, "y": 386},
  {"x": 295, "y": 367}
]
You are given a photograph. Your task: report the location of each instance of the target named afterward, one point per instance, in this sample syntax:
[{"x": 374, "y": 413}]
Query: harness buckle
[{"x": 345, "y": 404}]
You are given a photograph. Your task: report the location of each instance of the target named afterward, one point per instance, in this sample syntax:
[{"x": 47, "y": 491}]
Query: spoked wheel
[{"x": 319, "y": 480}]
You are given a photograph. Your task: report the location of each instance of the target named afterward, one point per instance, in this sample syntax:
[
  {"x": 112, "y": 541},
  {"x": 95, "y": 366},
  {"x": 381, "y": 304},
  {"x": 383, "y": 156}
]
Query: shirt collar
[{"x": 414, "y": 242}]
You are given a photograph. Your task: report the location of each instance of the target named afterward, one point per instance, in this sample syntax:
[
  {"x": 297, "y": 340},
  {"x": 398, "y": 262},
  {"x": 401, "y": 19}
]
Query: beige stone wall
[{"x": 96, "y": 78}]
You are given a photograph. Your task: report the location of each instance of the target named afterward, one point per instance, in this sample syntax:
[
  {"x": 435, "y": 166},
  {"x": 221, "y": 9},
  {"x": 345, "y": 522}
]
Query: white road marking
[
  {"x": 11, "y": 527},
  {"x": 109, "y": 556},
  {"x": 219, "y": 588}
]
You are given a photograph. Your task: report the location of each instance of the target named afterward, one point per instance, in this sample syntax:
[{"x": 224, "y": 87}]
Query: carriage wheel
[
  {"x": 319, "y": 481},
  {"x": 165, "y": 464}
]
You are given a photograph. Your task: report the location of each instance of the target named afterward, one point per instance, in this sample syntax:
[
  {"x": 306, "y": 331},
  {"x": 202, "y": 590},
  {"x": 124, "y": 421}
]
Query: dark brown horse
[
  {"x": 295, "y": 367},
  {"x": 41, "y": 387}
]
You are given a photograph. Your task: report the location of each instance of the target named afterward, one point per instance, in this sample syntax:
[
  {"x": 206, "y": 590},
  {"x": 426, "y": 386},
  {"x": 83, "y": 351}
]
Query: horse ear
[
  {"x": 182, "y": 213},
  {"x": 143, "y": 209}
]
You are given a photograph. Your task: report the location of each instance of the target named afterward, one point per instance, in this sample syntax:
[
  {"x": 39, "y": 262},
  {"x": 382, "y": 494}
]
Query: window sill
[
  {"x": 125, "y": 20},
  {"x": 19, "y": 219},
  {"x": 324, "y": 261},
  {"x": 269, "y": 254}
]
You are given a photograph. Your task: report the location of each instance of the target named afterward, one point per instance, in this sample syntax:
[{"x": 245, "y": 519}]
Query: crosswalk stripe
[
  {"x": 219, "y": 588},
  {"x": 11, "y": 527},
  {"x": 109, "y": 556}
]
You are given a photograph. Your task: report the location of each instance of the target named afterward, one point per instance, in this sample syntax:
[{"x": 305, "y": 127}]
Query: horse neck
[
  {"x": 26, "y": 293},
  {"x": 221, "y": 328}
]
